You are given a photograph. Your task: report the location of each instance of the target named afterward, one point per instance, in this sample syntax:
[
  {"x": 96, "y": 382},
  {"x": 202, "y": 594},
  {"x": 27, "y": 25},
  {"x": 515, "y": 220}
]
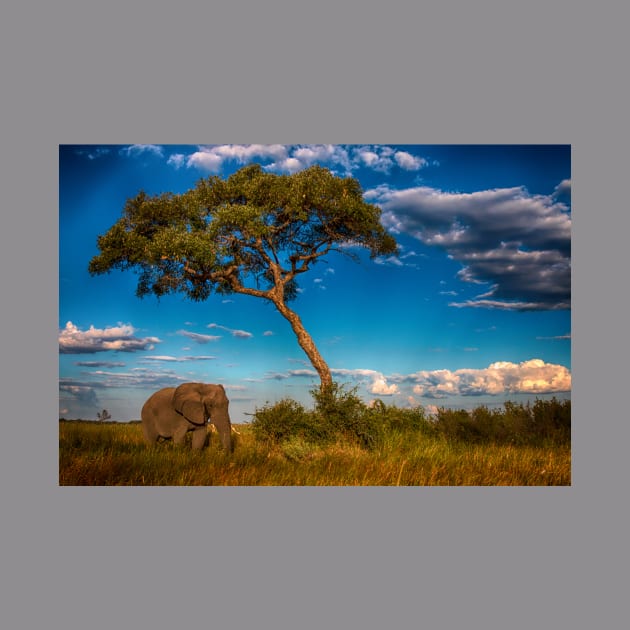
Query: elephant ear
[{"x": 187, "y": 401}]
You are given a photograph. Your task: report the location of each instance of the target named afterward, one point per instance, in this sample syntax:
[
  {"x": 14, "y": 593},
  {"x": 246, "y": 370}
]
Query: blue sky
[{"x": 474, "y": 310}]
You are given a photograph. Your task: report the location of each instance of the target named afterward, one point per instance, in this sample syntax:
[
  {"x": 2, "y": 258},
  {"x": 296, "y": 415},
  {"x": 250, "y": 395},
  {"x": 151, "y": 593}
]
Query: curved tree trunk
[{"x": 306, "y": 343}]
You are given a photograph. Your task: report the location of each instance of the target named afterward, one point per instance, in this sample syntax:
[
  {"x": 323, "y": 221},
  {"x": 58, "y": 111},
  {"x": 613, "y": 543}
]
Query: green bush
[
  {"x": 345, "y": 414},
  {"x": 392, "y": 418},
  {"x": 286, "y": 419},
  {"x": 340, "y": 413},
  {"x": 546, "y": 420}
]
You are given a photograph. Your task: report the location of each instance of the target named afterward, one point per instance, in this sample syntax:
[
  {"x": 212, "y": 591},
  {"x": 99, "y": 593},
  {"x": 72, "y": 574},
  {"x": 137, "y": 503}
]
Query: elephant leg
[
  {"x": 179, "y": 435},
  {"x": 199, "y": 438},
  {"x": 150, "y": 434}
]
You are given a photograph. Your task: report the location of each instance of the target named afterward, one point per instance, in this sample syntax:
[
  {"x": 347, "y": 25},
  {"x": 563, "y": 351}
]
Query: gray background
[{"x": 392, "y": 72}]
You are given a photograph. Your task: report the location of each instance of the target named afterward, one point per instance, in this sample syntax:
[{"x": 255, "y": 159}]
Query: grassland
[{"x": 101, "y": 453}]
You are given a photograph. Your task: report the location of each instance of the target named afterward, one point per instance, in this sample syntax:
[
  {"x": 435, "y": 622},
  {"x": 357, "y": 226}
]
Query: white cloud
[
  {"x": 323, "y": 153},
  {"x": 432, "y": 410},
  {"x": 177, "y": 160},
  {"x": 375, "y": 157},
  {"x": 212, "y": 158},
  {"x": 380, "y": 387},
  {"x": 389, "y": 260},
  {"x": 135, "y": 150},
  {"x": 94, "y": 364},
  {"x": 245, "y": 152},
  {"x": 500, "y": 378},
  {"x": 292, "y": 165},
  {"x": 205, "y": 161},
  {"x": 120, "y": 338},
  {"x": 243, "y": 334},
  {"x": 409, "y": 162},
  {"x": 563, "y": 188},
  {"x": 294, "y": 158},
  {"x": 503, "y": 377},
  {"x": 378, "y": 383},
  {"x": 199, "y": 338},
  {"x": 172, "y": 359},
  {"x": 268, "y": 333}
]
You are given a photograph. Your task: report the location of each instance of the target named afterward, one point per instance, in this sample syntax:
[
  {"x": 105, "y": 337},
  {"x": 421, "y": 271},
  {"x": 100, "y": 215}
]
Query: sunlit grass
[{"x": 114, "y": 454}]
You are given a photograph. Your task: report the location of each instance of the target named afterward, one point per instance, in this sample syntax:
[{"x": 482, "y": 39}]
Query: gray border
[{"x": 370, "y": 558}]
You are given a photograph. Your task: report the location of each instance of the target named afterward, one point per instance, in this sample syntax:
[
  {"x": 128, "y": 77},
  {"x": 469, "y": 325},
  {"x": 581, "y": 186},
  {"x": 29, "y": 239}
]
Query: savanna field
[{"x": 340, "y": 442}]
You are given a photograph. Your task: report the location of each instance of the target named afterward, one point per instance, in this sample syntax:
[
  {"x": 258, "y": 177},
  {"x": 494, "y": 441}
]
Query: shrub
[
  {"x": 337, "y": 413},
  {"x": 340, "y": 413},
  {"x": 343, "y": 413},
  {"x": 285, "y": 419},
  {"x": 552, "y": 419},
  {"x": 546, "y": 420}
]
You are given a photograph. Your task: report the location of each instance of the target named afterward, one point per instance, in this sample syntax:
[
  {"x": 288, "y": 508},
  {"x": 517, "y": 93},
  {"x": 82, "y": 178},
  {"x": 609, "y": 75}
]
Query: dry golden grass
[{"x": 114, "y": 454}]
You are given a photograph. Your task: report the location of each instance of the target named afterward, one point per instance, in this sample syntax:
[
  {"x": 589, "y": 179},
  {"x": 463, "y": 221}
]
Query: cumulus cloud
[
  {"x": 517, "y": 244},
  {"x": 409, "y": 162},
  {"x": 199, "y": 338},
  {"x": 500, "y": 378},
  {"x": 211, "y": 158},
  {"x": 503, "y": 377},
  {"x": 119, "y": 338},
  {"x": 292, "y": 158},
  {"x": 563, "y": 189},
  {"x": 376, "y": 381},
  {"x": 379, "y": 386},
  {"x": 243, "y": 334}
]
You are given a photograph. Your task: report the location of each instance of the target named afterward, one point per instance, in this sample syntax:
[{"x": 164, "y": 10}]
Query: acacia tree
[{"x": 253, "y": 233}]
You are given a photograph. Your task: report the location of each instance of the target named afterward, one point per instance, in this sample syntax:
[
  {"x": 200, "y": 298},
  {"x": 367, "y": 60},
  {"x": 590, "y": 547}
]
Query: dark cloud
[
  {"x": 517, "y": 244},
  {"x": 84, "y": 389},
  {"x": 79, "y": 392}
]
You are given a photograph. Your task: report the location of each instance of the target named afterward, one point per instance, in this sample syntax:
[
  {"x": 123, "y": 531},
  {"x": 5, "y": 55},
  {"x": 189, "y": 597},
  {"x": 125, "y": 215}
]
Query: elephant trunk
[{"x": 221, "y": 420}]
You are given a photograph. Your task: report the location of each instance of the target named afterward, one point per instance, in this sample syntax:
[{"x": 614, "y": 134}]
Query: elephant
[{"x": 174, "y": 411}]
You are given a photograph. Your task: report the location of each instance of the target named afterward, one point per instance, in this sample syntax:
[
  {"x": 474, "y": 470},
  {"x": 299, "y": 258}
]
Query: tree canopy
[{"x": 253, "y": 233}]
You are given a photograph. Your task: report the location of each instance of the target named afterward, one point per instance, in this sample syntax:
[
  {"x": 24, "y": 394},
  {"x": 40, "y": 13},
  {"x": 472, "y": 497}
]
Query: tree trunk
[{"x": 306, "y": 343}]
